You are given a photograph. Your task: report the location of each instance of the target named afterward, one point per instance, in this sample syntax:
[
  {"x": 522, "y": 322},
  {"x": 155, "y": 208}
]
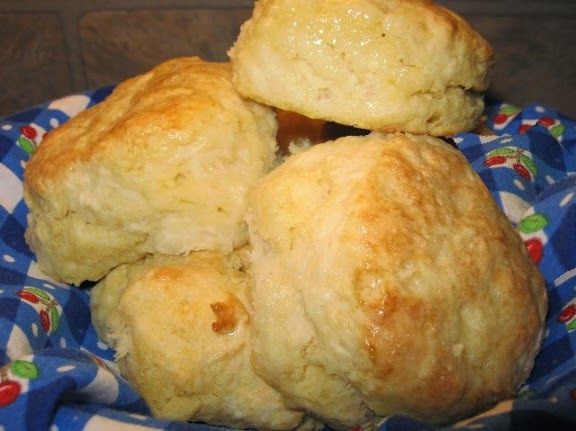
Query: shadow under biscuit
[{"x": 294, "y": 127}]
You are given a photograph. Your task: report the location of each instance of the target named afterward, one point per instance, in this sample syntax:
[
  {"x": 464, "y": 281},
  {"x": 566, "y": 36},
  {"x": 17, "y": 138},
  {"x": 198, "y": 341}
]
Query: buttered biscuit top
[{"x": 386, "y": 65}]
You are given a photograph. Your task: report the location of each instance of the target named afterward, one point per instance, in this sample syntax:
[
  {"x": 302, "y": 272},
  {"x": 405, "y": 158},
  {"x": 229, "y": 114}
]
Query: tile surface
[
  {"x": 119, "y": 44},
  {"x": 33, "y": 62},
  {"x": 535, "y": 59}
]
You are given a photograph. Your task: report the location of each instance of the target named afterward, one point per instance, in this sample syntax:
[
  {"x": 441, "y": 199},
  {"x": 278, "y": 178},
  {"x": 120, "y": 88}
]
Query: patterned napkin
[{"x": 57, "y": 375}]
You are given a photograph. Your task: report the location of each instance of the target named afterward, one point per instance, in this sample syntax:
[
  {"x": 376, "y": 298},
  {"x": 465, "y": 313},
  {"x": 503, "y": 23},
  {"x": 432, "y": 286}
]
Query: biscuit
[
  {"x": 385, "y": 65},
  {"x": 181, "y": 329},
  {"x": 163, "y": 165},
  {"x": 387, "y": 281}
]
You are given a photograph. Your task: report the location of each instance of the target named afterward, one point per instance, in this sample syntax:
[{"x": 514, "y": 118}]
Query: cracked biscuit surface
[
  {"x": 181, "y": 330},
  {"x": 163, "y": 165},
  {"x": 387, "y": 281},
  {"x": 386, "y": 65}
]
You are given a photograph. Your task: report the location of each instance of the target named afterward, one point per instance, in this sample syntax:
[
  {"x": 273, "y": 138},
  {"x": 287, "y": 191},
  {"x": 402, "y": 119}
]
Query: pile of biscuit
[{"x": 354, "y": 279}]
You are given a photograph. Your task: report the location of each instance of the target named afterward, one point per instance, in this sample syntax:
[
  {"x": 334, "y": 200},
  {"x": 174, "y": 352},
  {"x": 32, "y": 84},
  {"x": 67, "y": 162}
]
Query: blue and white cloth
[{"x": 57, "y": 375}]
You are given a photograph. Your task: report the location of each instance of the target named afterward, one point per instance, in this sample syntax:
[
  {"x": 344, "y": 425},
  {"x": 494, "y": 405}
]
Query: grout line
[
  {"x": 512, "y": 8},
  {"x": 70, "y": 19},
  {"x": 34, "y": 5},
  {"x": 508, "y": 8}
]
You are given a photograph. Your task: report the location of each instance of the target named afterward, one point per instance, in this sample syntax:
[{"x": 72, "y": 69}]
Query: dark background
[{"x": 50, "y": 48}]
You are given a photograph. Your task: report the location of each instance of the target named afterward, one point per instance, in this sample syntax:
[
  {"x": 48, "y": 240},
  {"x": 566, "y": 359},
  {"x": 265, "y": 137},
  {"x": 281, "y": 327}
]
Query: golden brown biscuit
[
  {"x": 181, "y": 327},
  {"x": 387, "y": 281},
  {"x": 161, "y": 166},
  {"x": 385, "y": 65}
]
